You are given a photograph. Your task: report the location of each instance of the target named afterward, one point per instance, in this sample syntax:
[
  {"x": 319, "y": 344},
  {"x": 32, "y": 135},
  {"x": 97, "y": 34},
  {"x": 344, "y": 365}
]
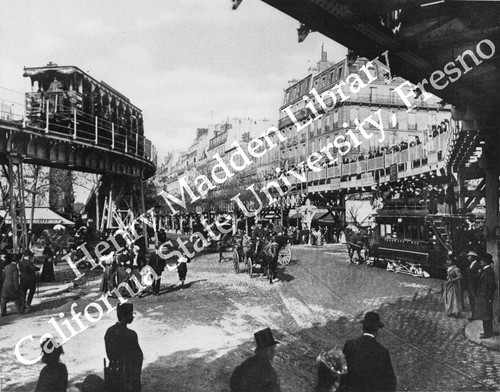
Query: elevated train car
[
  {"x": 410, "y": 240},
  {"x": 71, "y": 102}
]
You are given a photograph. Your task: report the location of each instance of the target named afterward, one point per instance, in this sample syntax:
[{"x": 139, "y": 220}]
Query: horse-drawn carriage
[{"x": 261, "y": 255}]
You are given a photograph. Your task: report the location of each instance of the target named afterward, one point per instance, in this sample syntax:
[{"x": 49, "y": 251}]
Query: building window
[
  {"x": 335, "y": 119},
  {"x": 393, "y": 124},
  {"x": 392, "y": 97},
  {"x": 412, "y": 121},
  {"x": 354, "y": 114}
]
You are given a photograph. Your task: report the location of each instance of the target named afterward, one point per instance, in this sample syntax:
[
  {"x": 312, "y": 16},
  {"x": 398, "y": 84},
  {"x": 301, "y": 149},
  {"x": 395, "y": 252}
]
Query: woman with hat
[
  {"x": 452, "y": 291},
  {"x": 47, "y": 274},
  {"x": 256, "y": 374},
  {"x": 54, "y": 376},
  {"x": 331, "y": 367}
]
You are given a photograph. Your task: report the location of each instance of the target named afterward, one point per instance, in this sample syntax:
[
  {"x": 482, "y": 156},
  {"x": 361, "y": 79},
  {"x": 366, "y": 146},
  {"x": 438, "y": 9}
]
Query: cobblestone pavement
[{"x": 193, "y": 337}]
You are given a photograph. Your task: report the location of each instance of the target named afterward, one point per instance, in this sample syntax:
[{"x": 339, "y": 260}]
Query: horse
[
  {"x": 357, "y": 238},
  {"x": 266, "y": 255}
]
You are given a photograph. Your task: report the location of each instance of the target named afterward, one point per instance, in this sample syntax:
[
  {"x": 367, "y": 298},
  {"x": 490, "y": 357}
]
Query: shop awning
[
  {"x": 328, "y": 218},
  {"x": 42, "y": 216}
]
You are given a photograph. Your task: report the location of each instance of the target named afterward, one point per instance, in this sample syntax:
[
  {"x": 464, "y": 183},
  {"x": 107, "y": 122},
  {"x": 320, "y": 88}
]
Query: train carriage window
[{"x": 382, "y": 230}]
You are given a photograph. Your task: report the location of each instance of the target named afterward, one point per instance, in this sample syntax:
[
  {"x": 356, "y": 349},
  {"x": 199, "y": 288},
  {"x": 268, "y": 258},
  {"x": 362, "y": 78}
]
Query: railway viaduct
[{"x": 450, "y": 48}]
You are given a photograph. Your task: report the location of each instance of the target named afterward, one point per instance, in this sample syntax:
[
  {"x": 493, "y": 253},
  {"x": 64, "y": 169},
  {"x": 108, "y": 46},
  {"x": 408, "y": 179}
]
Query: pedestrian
[
  {"x": 485, "y": 292},
  {"x": 10, "y": 289},
  {"x": 182, "y": 269},
  {"x": 47, "y": 274},
  {"x": 124, "y": 353},
  {"x": 331, "y": 366},
  {"x": 472, "y": 276},
  {"x": 158, "y": 264},
  {"x": 123, "y": 271},
  {"x": 369, "y": 366},
  {"x": 138, "y": 261},
  {"x": 319, "y": 237},
  {"x": 313, "y": 237},
  {"x": 452, "y": 291},
  {"x": 54, "y": 376},
  {"x": 28, "y": 279},
  {"x": 108, "y": 278},
  {"x": 256, "y": 374}
]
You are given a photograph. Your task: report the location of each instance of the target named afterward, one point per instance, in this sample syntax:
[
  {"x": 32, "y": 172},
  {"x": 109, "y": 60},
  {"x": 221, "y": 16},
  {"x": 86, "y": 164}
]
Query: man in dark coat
[
  {"x": 158, "y": 264},
  {"x": 369, "y": 366},
  {"x": 485, "y": 292},
  {"x": 28, "y": 279},
  {"x": 256, "y": 374},
  {"x": 472, "y": 275},
  {"x": 10, "y": 289},
  {"x": 124, "y": 354}
]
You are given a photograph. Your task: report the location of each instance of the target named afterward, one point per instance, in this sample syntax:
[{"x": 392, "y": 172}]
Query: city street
[{"x": 192, "y": 338}]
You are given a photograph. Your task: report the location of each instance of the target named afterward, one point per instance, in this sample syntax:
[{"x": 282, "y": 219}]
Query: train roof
[{"x": 71, "y": 69}]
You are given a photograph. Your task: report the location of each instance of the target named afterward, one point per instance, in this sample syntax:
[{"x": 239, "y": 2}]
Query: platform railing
[
  {"x": 58, "y": 117},
  {"x": 412, "y": 160}
]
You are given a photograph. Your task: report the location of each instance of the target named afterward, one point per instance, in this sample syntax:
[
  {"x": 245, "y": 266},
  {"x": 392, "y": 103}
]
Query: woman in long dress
[
  {"x": 108, "y": 283},
  {"x": 47, "y": 274},
  {"x": 452, "y": 290}
]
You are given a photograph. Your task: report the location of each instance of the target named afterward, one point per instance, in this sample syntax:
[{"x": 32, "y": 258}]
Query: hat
[
  {"x": 372, "y": 320},
  {"x": 264, "y": 338},
  {"x": 472, "y": 253},
  {"x": 488, "y": 258}
]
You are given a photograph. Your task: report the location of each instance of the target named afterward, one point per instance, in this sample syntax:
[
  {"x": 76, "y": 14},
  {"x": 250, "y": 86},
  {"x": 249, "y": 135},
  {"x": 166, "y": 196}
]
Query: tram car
[
  {"x": 66, "y": 100},
  {"x": 407, "y": 239}
]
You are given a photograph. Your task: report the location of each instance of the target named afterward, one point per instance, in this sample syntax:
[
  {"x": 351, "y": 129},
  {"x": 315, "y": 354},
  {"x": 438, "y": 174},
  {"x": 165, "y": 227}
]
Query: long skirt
[
  {"x": 452, "y": 298},
  {"x": 182, "y": 271},
  {"x": 107, "y": 283},
  {"x": 47, "y": 274}
]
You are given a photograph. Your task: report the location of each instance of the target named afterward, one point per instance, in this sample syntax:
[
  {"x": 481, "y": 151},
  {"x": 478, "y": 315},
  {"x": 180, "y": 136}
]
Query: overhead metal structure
[
  {"x": 76, "y": 123},
  {"x": 446, "y": 47}
]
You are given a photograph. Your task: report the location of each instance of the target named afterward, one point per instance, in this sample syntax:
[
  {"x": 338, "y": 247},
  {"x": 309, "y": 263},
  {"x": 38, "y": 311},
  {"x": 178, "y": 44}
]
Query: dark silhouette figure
[
  {"x": 256, "y": 374},
  {"x": 54, "y": 376},
  {"x": 369, "y": 366},
  {"x": 124, "y": 354}
]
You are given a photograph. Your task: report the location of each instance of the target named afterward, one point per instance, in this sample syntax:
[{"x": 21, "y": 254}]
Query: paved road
[{"x": 193, "y": 337}]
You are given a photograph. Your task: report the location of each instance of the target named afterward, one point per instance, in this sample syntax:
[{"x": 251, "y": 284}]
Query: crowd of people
[
  {"x": 18, "y": 281},
  {"x": 474, "y": 275}
]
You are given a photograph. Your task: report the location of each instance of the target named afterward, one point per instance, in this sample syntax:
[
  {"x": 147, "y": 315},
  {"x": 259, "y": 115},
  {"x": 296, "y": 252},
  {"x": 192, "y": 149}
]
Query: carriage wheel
[
  {"x": 285, "y": 255},
  {"x": 250, "y": 268},
  {"x": 236, "y": 261}
]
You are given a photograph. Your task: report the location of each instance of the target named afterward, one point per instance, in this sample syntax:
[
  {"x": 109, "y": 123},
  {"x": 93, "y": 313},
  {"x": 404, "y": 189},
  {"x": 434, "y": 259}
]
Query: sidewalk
[{"x": 475, "y": 328}]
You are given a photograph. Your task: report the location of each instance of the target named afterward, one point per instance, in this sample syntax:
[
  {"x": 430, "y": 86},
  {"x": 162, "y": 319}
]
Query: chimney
[{"x": 200, "y": 132}]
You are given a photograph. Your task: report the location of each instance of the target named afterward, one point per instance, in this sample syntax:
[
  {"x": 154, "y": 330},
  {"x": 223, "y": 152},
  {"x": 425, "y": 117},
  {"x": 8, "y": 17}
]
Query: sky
[{"x": 183, "y": 62}]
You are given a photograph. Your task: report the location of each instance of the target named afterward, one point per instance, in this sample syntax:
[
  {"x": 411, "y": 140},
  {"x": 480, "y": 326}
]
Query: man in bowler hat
[
  {"x": 472, "y": 275},
  {"x": 124, "y": 353},
  {"x": 369, "y": 366},
  {"x": 485, "y": 292},
  {"x": 256, "y": 374}
]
